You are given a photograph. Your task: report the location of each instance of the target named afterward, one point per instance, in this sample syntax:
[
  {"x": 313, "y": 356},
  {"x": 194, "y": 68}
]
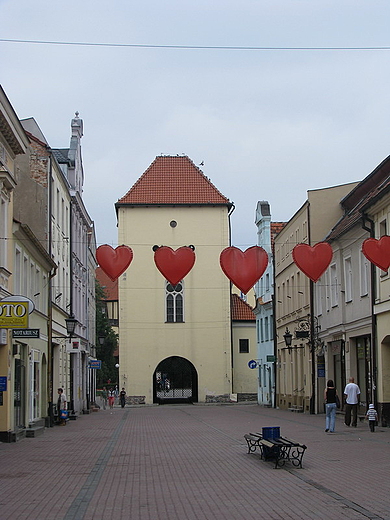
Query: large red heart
[
  {"x": 244, "y": 268},
  {"x": 114, "y": 262},
  {"x": 313, "y": 261},
  {"x": 378, "y": 251},
  {"x": 174, "y": 265}
]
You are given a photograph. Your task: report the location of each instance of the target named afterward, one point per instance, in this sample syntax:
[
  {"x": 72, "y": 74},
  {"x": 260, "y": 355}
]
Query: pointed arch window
[{"x": 174, "y": 297}]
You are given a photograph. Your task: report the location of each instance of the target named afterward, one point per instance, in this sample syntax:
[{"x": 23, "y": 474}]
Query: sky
[{"x": 306, "y": 107}]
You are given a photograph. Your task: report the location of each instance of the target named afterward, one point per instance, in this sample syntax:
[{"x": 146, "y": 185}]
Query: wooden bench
[{"x": 279, "y": 449}]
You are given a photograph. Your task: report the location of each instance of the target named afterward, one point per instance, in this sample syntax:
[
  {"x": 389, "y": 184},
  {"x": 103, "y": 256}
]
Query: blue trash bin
[{"x": 271, "y": 432}]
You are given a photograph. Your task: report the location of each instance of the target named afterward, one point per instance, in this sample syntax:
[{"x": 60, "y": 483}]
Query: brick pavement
[{"x": 191, "y": 463}]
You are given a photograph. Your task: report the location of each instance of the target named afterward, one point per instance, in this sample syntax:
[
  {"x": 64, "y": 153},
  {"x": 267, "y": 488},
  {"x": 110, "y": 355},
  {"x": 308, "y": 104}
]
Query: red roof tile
[
  {"x": 241, "y": 311},
  {"x": 173, "y": 180},
  {"x": 110, "y": 287}
]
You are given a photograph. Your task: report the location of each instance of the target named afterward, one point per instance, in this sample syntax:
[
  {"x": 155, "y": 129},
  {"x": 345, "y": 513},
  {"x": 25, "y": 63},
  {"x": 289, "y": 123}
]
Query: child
[{"x": 372, "y": 417}]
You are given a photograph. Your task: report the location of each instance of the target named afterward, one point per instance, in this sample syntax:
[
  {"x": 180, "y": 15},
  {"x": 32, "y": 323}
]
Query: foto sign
[{"x": 13, "y": 315}]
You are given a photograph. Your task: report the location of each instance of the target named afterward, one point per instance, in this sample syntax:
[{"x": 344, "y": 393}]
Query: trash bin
[{"x": 271, "y": 432}]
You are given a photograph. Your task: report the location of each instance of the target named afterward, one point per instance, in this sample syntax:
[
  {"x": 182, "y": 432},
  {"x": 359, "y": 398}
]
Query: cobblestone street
[{"x": 191, "y": 463}]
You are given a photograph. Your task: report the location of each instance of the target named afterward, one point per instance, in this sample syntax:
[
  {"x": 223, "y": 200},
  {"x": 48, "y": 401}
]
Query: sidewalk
[{"x": 191, "y": 463}]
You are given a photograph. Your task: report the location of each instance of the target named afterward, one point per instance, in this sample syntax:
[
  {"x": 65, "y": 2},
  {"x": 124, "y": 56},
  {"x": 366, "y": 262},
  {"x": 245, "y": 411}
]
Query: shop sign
[
  {"x": 25, "y": 333},
  {"x": 13, "y": 314}
]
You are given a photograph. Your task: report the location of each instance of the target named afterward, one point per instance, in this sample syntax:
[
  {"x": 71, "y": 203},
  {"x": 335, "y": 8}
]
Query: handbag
[
  {"x": 337, "y": 401},
  {"x": 64, "y": 414}
]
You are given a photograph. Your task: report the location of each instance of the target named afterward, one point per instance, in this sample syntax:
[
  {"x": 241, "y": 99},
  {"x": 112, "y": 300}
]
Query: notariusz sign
[{"x": 25, "y": 333}]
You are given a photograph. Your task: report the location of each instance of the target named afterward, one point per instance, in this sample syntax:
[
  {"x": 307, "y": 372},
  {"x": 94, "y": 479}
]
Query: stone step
[{"x": 35, "y": 431}]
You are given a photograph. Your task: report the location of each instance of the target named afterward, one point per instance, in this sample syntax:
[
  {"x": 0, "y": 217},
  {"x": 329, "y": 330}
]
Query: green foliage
[{"x": 106, "y": 351}]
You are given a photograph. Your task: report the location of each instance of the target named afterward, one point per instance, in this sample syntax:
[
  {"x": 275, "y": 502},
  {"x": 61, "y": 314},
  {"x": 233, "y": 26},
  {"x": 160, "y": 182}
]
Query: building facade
[
  {"x": 299, "y": 383},
  {"x": 264, "y": 309},
  {"x": 175, "y": 341},
  {"x": 13, "y": 142}
]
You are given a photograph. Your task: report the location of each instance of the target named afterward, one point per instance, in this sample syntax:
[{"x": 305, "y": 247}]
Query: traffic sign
[{"x": 252, "y": 364}]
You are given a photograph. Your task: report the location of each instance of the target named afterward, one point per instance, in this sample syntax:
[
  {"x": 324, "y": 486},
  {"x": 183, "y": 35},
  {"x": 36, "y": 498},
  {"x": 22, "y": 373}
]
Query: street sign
[
  {"x": 252, "y": 364},
  {"x": 3, "y": 383},
  {"x": 271, "y": 359},
  {"x": 95, "y": 363},
  {"x": 25, "y": 333}
]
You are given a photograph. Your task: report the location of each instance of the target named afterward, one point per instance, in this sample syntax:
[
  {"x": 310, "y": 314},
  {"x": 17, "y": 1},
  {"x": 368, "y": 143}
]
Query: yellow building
[
  {"x": 174, "y": 341},
  {"x": 13, "y": 141},
  {"x": 244, "y": 348},
  {"x": 298, "y": 386}
]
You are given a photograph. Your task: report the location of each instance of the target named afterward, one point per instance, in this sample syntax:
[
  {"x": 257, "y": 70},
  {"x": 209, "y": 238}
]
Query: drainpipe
[
  {"x": 373, "y": 387},
  {"x": 49, "y": 302},
  {"x": 312, "y": 332},
  {"x": 231, "y": 209}
]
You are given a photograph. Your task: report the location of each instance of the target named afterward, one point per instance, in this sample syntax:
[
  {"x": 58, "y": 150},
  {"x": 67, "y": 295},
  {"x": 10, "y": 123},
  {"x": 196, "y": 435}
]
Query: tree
[{"x": 105, "y": 351}]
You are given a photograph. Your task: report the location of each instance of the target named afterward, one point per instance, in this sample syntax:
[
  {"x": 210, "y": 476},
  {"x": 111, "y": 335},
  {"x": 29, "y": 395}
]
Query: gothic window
[{"x": 174, "y": 303}]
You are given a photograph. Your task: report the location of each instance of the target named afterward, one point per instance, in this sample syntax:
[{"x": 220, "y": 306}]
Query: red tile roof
[
  {"x": 110, "y": 287},
  {"x": 276, "y": 227},
  {"x": 241, "y": 311},
  {"x": 173, "y": 180}
]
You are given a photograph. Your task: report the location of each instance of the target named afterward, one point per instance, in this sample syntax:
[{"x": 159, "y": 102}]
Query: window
[
  {"x": 3, "y": 231},
  {"x": 174, "y": 303},
  {"x": 266, "y": 329},
  {"x": 348, "y": 279},
  {"x": 334, "y": 290},
  {"x": 244, "y": 346},
  {"x": 364, "y": 275}
]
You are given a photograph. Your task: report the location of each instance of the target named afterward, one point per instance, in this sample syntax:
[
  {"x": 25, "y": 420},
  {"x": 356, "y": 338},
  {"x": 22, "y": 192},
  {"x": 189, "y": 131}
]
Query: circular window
[{"x": 173, "y": 223}]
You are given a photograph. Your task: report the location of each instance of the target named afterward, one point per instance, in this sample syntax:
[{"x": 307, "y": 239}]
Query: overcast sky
[{"x": 268, "y": 124}]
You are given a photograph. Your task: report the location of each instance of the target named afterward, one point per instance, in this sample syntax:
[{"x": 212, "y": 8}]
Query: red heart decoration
[
  {"x": 243, "y": 268},
  {"x": 378, "y": 251},
  {"x": 313, "y": 261},
  {"x": 114, "y": 262},
  {"x": 174, "y": 265}
]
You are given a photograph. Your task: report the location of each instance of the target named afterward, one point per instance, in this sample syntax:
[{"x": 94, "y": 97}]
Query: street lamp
[
  {"x": 71, "y": 323},
  {"x": 288, "y": 339}
]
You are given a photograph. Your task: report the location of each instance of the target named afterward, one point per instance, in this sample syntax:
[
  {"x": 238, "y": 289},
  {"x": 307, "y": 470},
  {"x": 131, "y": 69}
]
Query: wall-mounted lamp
[
  {"x": 287, "y": 338},
  {"x": 71, "y": 323}
]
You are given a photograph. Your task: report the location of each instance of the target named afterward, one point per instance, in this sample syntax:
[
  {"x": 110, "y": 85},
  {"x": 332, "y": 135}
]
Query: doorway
[{"x": 175, "y": 380}]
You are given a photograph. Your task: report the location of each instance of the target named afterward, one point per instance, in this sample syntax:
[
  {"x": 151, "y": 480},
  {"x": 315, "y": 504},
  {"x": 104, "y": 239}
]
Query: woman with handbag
[
  {"x": 62, "y": 407},
  {"x": 331, "y": 398}
]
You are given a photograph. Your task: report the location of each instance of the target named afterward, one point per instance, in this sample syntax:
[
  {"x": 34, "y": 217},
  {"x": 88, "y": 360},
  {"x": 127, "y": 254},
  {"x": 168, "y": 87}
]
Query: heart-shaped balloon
[
  {"x": 378, "y": 251},
  {"x": 243, "y": 268},
  {"x": 114, "y": 262},
  {"x": 174, "y": 265},
  {"x": 313, "y": 261}
]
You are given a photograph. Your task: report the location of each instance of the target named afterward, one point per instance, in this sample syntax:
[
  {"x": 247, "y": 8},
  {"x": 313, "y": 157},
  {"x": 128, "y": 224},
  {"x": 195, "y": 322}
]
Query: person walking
[
  {"x": 122, "y": 397},
  {"x": 61, "y": 406},
  {"x": 372, "y": 416},
  {"x": 352, "y": 396},
  {"x": 104, "y": 396},
  {"x": 330, "y": 398},
  {"x": 111, "y": 398}
]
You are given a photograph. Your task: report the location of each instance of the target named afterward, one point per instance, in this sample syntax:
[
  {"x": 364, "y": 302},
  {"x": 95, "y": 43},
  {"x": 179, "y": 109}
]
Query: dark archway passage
[{"x": 175, "y": 380}]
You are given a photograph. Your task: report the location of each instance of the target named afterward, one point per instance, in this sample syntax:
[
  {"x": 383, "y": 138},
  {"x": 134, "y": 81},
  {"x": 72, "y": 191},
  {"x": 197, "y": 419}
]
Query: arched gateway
[{"x": 175, "y": 380}]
